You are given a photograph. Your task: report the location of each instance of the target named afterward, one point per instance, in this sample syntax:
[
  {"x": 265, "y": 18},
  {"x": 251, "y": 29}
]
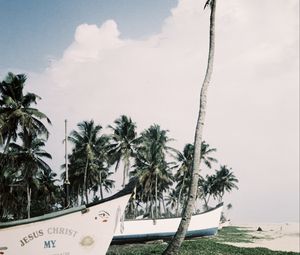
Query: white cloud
[{"x": 252, "y": 113}]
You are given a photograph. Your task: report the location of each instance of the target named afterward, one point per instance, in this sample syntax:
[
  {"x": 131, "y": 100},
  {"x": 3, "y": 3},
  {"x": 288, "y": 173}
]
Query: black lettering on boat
[
  {"x": 49, "y": 244},
  {"x": 30, "y": 237}
]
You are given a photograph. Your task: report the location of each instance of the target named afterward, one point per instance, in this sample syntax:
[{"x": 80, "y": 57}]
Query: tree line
[{"x": 29, "y": 187}]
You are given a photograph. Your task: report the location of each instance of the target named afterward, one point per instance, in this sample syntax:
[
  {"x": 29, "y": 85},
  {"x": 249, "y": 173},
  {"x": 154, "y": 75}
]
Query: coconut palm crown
[{"x": 16, "y": 112}]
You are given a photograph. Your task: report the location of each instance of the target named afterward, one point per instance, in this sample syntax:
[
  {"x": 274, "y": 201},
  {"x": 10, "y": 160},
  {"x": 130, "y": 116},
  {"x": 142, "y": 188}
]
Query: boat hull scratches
[{"x": 141, "y": 238}]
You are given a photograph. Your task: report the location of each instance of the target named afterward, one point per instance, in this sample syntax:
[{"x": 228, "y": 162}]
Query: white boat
[
  {"x": 77, "y": 231},
  {"x": 203, "y": 224}
]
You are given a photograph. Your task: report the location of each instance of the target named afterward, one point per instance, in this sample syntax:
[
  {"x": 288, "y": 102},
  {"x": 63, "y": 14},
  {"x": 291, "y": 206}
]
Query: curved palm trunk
[{"x": 175, "y": 244}]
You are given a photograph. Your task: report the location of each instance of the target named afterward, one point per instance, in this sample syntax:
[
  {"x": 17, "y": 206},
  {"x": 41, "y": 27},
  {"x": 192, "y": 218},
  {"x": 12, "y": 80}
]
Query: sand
[{"x": 277, "y": 237}]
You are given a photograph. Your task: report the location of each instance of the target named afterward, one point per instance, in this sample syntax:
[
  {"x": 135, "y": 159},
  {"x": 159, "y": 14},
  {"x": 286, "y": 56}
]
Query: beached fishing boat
[
  {"x": 203, "y": 224},
  {"x": 76, "y": 231}
]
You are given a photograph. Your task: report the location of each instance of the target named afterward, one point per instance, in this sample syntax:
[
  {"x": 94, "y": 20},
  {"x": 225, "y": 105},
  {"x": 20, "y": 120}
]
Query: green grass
[
  {"x": 234, "y": 235},
  {"x": 202, "y": 246}
]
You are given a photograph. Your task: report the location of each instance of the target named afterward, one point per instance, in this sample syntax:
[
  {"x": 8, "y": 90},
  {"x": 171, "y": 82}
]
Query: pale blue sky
[{"x": 33, "y": 31}]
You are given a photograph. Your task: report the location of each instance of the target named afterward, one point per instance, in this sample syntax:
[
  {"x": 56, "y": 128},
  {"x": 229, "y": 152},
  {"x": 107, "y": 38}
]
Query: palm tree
[
  {"x": 30, "y": 157},
  {"x": 84, "y": 153},
  {"x": 16, "y": 111},
  {"x": 206, "y": 189},
  {"x": 100, "y": 178},
  {"x": 8, "y": 201},
  {"x": 124, "y": 141},
  {"x": 49, "y": 195},
  {"x": 183, "y": 175},
  {"x": 172, "y": 200},
  {"x": 205, "y": 154},
  {"x": 225, "y": 181},
  {"x": 175, "y": 244},
  {"x": 99, "y": 167},
  {"x": 151, "y": 168},
  {"x": 76, "y": 176}
]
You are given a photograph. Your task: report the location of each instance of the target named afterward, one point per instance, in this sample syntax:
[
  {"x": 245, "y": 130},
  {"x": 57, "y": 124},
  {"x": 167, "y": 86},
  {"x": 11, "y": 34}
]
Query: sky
[{"x": 147, "y": 59}]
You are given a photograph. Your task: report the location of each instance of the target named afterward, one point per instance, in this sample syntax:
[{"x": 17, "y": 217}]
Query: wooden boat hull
[
  {"x": 204, "y": 224},
  {"x": 78, "y": 231}
]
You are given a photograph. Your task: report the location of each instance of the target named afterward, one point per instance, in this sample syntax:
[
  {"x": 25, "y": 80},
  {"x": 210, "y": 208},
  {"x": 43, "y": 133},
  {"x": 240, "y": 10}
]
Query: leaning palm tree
[
  {"x": 175, "y": 244},
  {"x": 16, "y": 111},
  {"x": 124, "y": 142}
]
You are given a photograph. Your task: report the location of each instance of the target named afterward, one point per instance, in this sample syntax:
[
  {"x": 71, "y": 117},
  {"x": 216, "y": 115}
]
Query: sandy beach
[{"x": 274, "y": 236}]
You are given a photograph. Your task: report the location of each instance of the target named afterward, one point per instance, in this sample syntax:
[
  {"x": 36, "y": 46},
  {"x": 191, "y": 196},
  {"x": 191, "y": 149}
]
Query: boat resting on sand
[
  {"x": 203, "y": 224},
  {"x": 83, "y": 230}
]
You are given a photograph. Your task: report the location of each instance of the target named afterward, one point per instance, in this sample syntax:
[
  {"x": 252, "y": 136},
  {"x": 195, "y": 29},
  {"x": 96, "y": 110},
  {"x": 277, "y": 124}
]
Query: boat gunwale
[{"x": 176, "y": 217}]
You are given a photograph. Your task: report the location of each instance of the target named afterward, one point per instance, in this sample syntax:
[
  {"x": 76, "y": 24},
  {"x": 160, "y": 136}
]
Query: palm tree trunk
[
  {"x": 160, "y": 208},
  {"x": 221, "y": 197},
  {"x": 126, "y": 170},
  {"x": 206, "y": 202},
  {"x": 28, "y": 190},
  {"x": 135, "y": 209},
  {"x": 100, "y": 185},
  {"x": 164, "y": 205},
  {"x": 82, "y": 195},
  {"x": 156, "y": 214},
  {"x": 179, "y": 195},
  {"x": 151, "y": 201},
  {"x": 7, "y": 144},
  {"x": 78, "y": 195},
  {"x": 176, "y": 242},
  {"x": 151, "y": 208},
  {"x": 1, "y": 211},
  {"x": 147, "y": 205},
  {"x": 85, "y": 188}
]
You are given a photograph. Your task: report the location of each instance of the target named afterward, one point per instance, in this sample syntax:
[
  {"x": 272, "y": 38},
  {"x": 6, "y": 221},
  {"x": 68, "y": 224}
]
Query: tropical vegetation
[
  {"x": 23, "y": 136},
  {"x": 29, "y": 187}
]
